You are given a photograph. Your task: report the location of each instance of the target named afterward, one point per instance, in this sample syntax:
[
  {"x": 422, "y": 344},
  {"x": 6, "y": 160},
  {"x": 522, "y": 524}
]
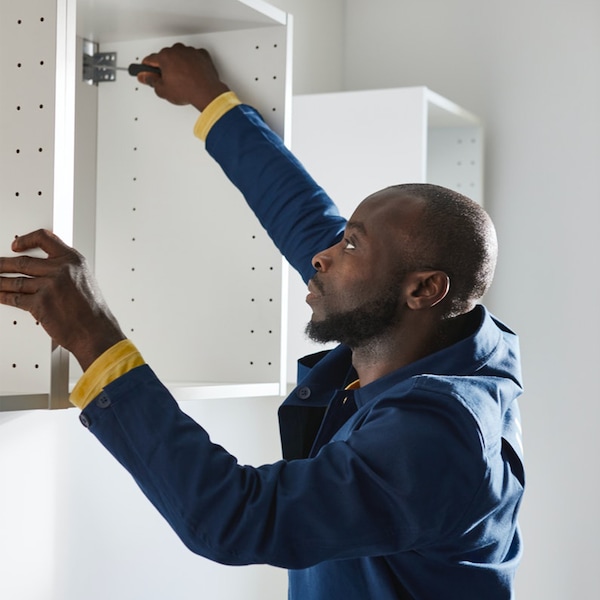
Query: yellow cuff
[
  {"x": 213, "y": 112},
  {"x": 116, "y": 361}
]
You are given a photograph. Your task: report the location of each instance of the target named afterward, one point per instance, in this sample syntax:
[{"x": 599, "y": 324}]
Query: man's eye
[{"x": 349, "y": 245}]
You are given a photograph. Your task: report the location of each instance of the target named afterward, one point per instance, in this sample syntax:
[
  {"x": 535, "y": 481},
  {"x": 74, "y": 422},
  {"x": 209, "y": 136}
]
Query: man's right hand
[
  {"x": 61, "y": 294},
  {"x": 188, "y": 76}
]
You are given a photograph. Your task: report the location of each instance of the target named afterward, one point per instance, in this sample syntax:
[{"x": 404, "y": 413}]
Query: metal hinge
[{"x": 98, "y": 66}]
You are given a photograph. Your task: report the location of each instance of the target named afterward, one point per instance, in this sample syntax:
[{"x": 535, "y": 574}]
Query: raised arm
[{"x": 298, "y": 215}]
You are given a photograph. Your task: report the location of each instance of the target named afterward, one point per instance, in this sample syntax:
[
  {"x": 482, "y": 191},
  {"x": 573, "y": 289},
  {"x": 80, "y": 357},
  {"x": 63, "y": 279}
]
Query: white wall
[
  {"x": 319, "y": 27},
  {"x": 531, "y": 70}
]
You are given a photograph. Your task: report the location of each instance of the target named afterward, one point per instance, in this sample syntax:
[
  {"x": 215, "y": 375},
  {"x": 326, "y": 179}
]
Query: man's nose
[{"x": 322, "y": 260}]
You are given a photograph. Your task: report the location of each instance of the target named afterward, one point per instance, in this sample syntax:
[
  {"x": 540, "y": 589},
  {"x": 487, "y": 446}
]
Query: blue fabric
[
  {"x": 406, "y": 488},
  {"x": 298, "y": 215}
]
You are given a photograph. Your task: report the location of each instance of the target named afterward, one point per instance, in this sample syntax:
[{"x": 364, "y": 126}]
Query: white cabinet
[
  {"x": 188, "y": 271},
  {"x": 355, "y": 143}
]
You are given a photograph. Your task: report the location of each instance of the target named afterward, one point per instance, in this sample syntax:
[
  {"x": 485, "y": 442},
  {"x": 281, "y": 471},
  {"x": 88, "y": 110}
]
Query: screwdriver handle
[{"x": 135, "y": 68}]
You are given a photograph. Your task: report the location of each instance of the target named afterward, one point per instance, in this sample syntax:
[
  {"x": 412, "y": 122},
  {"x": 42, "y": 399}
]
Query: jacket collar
[{"x": 492, "y": 349}]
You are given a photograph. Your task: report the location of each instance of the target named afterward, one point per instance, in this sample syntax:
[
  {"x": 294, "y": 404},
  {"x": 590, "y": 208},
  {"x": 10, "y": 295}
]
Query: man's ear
[{"x": 426, "y": 289}]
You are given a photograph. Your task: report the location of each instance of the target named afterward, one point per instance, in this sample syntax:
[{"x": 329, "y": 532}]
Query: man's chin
[{"x": 316, "y": 333}]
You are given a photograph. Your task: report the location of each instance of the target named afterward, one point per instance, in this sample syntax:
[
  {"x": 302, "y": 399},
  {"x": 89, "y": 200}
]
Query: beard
[{"x": 360, "y": 325}]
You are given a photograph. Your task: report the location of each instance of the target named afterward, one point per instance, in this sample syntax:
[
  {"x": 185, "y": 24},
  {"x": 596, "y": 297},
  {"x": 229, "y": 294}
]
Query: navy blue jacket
[{"x": 409, "y": 488}]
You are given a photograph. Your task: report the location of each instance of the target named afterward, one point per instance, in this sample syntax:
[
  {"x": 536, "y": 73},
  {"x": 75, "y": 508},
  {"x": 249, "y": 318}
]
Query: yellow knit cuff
[
  {"x": 213, "y": 112},
  {"x": 116, "y": 361}
]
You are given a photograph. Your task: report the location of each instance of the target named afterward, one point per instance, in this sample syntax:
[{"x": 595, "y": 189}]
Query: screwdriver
[{"x": 133, "y": 69}]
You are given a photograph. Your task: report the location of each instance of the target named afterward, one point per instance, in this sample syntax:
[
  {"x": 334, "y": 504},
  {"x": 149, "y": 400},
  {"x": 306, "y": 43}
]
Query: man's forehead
[
  {"x": 389, "y": 207},
  {"x": 357, "y": 226}
]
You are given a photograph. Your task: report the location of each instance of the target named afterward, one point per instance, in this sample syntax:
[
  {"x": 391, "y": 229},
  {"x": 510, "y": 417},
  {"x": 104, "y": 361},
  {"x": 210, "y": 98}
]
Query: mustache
[{"x": 317, "y": 283}]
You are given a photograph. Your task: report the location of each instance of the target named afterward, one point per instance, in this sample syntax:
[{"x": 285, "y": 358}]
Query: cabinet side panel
[
  {"x": 27, "y": 117},
  {"x": 455, "y": 159},
  {"x": 184, "y": 264},
  {"x": 355, "y": 143}
]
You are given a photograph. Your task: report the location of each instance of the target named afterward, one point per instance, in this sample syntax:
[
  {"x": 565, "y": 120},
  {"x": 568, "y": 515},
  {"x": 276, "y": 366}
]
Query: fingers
[
  {"x": 152, "y": 59},
  {"x": 19, "y": 285},
  {"x": 188, "y": 76},
  {"x": 58, "y": 253},
  {"x": 51, "y": 244},
  {"x": 146, "y": 77},
  {"x": 61, "y": 294},
  {"x": 26, "y": 265},
  {"x": 18, "y": 291}
]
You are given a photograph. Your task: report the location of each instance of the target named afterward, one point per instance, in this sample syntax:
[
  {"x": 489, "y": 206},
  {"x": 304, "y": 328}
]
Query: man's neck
[{"x": 399, "y": 348}]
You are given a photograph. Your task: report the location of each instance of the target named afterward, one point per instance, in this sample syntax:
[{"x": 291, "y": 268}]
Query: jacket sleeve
[
  {"x": 297, "y": 214},
  {"x": 357, "y": 497}
]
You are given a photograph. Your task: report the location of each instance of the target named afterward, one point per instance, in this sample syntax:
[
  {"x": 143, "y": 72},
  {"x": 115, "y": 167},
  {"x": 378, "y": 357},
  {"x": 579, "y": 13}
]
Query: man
[{"x": 402, "y": 473}]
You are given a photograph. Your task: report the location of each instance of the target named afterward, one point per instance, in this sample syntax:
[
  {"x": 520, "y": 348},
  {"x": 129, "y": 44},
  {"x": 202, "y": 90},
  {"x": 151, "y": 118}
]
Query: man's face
[{"x": 357, "y": 293}]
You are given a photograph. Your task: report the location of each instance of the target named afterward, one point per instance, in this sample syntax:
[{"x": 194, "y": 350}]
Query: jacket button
[
  {"x": 103, "y": 401},
  {"x": 303, "y": 393},
  {"x": 84, "y": 420}
]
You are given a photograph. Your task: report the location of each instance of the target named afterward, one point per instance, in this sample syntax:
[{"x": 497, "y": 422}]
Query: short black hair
[{"x": 456, "y": 236}]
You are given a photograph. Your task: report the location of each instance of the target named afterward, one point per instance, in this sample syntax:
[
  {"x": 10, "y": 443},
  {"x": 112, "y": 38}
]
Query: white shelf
[
  {"x": 183, "y": 392},
  {"x": 118, "y": 21}
]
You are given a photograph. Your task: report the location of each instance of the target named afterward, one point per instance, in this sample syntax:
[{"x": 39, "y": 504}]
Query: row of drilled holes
[
  {"x": 134, "y": 209},
  {"x": 19, "y": 107},
  {"x": 14, "y": 365},
  {"x": 20, "y": 21}
]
